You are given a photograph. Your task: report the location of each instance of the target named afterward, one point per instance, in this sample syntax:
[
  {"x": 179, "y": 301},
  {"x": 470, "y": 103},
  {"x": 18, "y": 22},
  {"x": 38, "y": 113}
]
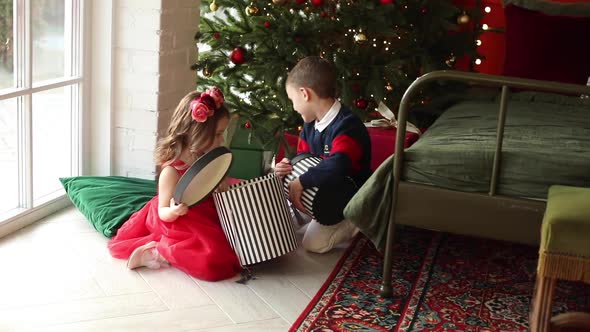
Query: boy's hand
[
  {"x": 178, "y": 209},
  {"x": 295, "y": 191},
  {"x": 283, "y": 167}
]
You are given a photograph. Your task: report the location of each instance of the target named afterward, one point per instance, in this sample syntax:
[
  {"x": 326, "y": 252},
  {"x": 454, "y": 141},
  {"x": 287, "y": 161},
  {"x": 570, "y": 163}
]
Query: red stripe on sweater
[
  {"x": 349, "y": 146},
  {"x": 302, "y": 146}
]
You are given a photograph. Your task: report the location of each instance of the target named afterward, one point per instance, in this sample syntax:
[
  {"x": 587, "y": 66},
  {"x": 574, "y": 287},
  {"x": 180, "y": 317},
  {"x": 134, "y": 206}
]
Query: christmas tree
[
  {"x": 6, "y": 60},
  {"x": 378, "y": 47}
]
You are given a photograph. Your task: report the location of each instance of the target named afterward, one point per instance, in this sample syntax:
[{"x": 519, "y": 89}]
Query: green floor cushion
[{"x": 108, "y": 201}]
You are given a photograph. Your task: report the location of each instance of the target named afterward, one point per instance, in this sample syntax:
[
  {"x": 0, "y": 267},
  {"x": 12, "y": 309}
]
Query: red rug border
[{"x": 312, "y": 303}]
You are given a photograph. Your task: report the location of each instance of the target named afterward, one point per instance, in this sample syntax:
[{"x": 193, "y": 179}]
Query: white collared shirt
[{"x": 329, "y": 117}]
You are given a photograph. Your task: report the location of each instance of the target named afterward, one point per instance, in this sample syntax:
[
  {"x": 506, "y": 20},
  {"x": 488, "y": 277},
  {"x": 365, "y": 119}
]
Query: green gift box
[
  {"x": 243, "y": 138},
  {"x": 249, "y": 164},
  {"x": 250, "y": 160}
]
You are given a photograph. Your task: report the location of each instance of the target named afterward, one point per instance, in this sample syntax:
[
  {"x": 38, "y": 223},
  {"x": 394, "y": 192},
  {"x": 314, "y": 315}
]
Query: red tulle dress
[{"x": 193, "y": 243}]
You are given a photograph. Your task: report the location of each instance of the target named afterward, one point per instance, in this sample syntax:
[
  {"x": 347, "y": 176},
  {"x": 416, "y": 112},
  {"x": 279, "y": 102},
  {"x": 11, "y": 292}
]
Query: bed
[{"x": 483, "y": 168}]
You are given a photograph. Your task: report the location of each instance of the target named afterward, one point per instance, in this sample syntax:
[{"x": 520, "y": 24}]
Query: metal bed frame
[{"x": 514, "y": 219}]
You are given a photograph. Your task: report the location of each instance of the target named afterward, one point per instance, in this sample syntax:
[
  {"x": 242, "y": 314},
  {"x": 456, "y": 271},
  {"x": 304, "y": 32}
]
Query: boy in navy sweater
[{"x": 332, "y": 132}]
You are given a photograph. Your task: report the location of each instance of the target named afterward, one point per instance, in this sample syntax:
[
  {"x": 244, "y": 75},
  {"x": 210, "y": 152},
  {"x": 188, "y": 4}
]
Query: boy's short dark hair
[{"x": 316, "y": 73}]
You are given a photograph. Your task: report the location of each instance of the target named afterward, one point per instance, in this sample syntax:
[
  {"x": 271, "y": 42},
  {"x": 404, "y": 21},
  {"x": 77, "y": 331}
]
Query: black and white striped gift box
[
  {"x": 323, "y": 204},
  {"x": 300, "y": 166},
  {"x": 256, "y": 220}
]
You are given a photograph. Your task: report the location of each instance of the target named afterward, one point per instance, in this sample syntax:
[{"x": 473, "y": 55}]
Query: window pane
[
  {"x": 8, "y": 155},
  {"x": 6, "y": 49},
  {"x": 47, "y": 17},
  {"x": 52, "y": 143}
]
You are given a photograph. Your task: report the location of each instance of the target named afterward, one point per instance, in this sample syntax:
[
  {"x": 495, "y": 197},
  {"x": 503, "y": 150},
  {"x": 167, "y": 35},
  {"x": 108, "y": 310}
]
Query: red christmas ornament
[
  {"x": 361, "y": 103},
  {"x": 300, "y": 2},
  {"x": 298, "y": 39},
  {"x": 386, "y": 2},
  {"x": 216, "y": 35},
  {"x": 324, "y": 14},
  {"x": 267, "y": 24},
  {"x": 247, "y": 125},
  {"x": 238, "y": 55},
  {"x": 317, "y": 3},
  {"x": 424, "y": 10}
]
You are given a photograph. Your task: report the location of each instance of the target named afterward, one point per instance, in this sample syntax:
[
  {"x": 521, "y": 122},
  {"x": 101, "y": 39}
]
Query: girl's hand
[
  {"x": 223, "y": 186},
  {"x": 178, "y": 209},
  {"x": 283, "y": 167}
]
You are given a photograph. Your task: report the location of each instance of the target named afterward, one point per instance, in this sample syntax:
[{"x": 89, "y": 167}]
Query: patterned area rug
[{"x": 441, "y": 282}]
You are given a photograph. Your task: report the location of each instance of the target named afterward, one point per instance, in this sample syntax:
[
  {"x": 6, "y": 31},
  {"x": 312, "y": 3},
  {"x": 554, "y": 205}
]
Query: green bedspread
[{"x": 546, "y": 141}]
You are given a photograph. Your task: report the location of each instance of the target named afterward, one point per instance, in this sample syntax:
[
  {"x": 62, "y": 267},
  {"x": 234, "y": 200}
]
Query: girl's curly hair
[{"x": 185, "y": 132}]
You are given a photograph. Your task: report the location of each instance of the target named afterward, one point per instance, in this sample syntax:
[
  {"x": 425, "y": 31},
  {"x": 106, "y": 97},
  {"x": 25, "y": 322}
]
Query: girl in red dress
[{"x": 162, "y": 233}]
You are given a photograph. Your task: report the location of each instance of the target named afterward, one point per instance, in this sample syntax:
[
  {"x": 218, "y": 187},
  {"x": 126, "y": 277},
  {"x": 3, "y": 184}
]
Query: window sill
[{"x": 19, "y": 218}]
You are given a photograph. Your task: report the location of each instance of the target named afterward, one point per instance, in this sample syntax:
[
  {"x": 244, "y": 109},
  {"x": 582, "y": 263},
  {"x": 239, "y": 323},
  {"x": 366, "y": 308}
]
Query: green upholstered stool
[{"x": 564, "y": 254}]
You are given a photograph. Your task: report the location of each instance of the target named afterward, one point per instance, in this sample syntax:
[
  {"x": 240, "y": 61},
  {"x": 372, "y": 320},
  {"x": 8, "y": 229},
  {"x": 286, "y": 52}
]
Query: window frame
[{"x": 75, "y": 82}]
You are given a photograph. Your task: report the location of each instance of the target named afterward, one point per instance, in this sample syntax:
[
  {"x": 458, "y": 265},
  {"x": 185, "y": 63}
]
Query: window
[{"x": 40, "y": 100}]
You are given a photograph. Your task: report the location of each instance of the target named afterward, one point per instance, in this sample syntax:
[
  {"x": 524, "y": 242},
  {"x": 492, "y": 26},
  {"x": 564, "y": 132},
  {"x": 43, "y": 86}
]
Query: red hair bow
[{"x": 205, "y": 105}]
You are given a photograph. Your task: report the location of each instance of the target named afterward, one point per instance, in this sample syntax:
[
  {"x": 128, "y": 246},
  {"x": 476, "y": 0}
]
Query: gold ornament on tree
[
  {"x": 450, "y": 62},
  {"x": 463, "y": 18},
  {"x": 213, "y": 6},
  {"x": 252, "y": 10},
  {"x": 389, "y": 87},
  {"x": 207, "y": 72},
  {"x": 279, "y": 2},
  {"x": 360, "y": 38}
]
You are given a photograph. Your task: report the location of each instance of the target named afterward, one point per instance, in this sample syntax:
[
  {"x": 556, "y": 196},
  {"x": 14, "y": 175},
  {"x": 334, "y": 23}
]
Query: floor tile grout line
[{"x": 268, "y": 304}]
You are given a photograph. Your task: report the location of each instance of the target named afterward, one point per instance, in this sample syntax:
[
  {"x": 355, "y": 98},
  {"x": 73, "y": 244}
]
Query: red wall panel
[{"x": 493, "y": 43}]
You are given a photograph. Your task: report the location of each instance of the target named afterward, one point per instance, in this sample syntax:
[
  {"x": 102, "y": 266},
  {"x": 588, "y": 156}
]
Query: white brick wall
[{"x": 153, "y": 49}]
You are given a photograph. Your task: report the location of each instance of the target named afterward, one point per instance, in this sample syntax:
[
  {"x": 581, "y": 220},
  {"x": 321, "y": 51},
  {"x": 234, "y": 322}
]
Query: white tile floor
[{"x": 57, "y": 275}]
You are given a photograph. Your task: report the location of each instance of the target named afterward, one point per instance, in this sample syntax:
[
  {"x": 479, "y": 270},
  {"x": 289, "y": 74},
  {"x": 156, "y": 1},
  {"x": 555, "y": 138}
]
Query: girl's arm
[{"x": 167, "y": 210}]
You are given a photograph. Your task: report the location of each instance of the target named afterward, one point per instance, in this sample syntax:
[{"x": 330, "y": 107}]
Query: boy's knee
[
  {"x": 320, "y": 238},
  {"x": 314, "y": 243}
]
